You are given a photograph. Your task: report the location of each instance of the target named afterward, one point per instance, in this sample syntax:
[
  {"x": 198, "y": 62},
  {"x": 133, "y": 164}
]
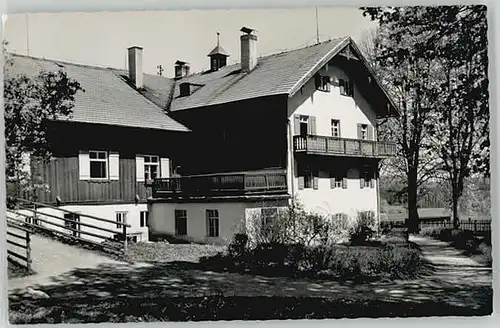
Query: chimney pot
[
  {"x": 248, "y": 49},
  {"x": 135, "y": 66}
]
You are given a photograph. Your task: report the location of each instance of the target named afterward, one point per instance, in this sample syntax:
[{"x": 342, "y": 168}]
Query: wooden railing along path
[
  {"x": 19, "y": 237},
  {"x": 46, "y": 218}
]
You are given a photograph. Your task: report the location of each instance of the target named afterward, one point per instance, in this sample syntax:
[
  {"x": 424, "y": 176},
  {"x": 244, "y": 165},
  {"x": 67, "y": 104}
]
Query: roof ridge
[{"x": 57, "y": 61}]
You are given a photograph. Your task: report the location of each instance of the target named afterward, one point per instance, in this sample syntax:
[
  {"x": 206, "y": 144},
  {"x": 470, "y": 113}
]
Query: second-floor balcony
[
  {"x": 239, "y": 184},
  {"x": 333, "y": 146}
]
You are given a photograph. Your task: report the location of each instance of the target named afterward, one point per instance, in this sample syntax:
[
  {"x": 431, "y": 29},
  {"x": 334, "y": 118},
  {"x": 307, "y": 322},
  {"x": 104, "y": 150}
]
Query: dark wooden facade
[
  {"x": 61, "y": 173},
  {"x": 241, "y": 136}
]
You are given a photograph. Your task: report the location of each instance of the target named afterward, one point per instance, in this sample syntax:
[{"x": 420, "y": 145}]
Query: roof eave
[{"x": 332, "y": 53}]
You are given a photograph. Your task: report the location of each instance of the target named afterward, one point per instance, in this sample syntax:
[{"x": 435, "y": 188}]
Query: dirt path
[{"x": 52, "y": 259}]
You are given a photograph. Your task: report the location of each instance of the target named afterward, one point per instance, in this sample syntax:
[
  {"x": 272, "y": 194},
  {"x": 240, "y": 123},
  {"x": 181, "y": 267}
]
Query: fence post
[
  {"x": 124, "y": 234},
  {"x": 475, "y": 225},
  {"x": 28, "y": 251}
]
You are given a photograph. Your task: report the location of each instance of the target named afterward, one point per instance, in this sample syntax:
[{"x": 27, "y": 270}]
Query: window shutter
[
  {"x": 359, "y": 130},
  {"x": 139, "y": 168},
  {"x": 114, "y": 166},
  {"x": 296, "y": 124},
  {"x": 301, "y": 183},
  {"x": 165, "y": 168},
  {"x": 312, "y": 125},
  {"x": 344, "y": 183},
  {"x": 84, "y": 165},
  {"x": 361, "y": 182},
  {"x": 340, "y": 133},
  {"x": 332, "y": 182},
  {"x": 315, "y": 183},
  {"x": 370, "y": 132}
]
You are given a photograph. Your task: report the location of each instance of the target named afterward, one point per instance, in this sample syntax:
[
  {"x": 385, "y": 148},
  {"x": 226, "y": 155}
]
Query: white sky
[{"x": 101, "y": 38}]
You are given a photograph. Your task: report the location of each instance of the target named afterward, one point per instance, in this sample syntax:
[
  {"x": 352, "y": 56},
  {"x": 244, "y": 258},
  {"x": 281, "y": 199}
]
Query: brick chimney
[
  {"x": 181, "y": 69},
  {"x": 135, "y": 66},
  {"x": 248, "y": 49}
]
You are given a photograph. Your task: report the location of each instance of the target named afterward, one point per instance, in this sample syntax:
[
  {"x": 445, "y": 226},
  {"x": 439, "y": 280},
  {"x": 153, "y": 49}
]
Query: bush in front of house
[
  {"x": 363, "y": 228},
  {"x": 396, "y": 262}
]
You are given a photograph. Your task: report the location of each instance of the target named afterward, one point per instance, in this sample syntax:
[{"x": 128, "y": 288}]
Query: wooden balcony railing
[
  {"x": 343, "y": 146},
  {"x": 219, "y": 185}
]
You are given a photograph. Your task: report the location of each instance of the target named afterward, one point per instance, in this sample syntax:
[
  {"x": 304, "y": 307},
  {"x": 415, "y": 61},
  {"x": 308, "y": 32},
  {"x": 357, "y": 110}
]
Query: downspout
[
  {"x": 290, "y": 157},
  {"x": 378, "y": 196}
]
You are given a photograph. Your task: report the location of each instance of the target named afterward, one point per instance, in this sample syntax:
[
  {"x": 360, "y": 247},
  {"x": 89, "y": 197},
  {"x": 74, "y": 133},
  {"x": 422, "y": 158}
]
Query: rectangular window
[
  {"x": 71, "y": 225},
  {"x": 364, "y": 131},
  {"x": 120, "y": 218},
  {"x": 144, "y": 216},
  {"x": 151, "y": 167},
  {"x": 98, "y": 164},
  {"x": 335, "y": 128},
  {"x": 322, "y": 83},
  {"x": 346, "y": 87},
  {"x": 268, "y": 216},
  {"x": 212, "y": 223},
  {"x": 180, "y": 222},
  {"x": 366, "y": 180},
  {"x": 336, "y": 180},
  {"x": 308, "y": 179},
  {"x": 304, "y": 121}
]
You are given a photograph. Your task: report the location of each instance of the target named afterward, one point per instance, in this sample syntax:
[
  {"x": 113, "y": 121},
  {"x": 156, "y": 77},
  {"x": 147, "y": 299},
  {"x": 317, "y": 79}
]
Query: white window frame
[
  {"x": 101, "y": 160},
  {"x": 364, "y": 131},
  {"x": 121, "y": 217},
  {"x": 335, "y": 125},
  {"x": 269, "y": 217},
  {"x": 148, "y": 163},
  {"x": 346, "y": 87},
  {"x": 213, "y": 216}
]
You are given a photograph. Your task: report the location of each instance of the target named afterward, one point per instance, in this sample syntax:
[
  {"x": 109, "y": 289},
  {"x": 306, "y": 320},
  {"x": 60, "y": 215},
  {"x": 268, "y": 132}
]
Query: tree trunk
[
  {"x": 455, "y": 197},
  {"x": 413, "y": 220}
]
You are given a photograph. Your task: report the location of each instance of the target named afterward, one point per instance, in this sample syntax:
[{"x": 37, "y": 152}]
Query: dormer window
[
  {"x": 184, "y": 89},
  {"x": 322, "y": 83},
  {"x": 346, "y": 87}
]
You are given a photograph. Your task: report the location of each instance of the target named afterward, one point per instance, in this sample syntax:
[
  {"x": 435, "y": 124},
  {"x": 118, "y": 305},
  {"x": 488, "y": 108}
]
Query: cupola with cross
[{"x": 218, "y": 56}]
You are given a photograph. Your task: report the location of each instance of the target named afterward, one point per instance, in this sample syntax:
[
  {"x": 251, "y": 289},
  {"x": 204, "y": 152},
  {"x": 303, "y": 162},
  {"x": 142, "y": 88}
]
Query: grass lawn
[
  {"x": 165, "y": 252},
  {"x": 219, "y": 307}
]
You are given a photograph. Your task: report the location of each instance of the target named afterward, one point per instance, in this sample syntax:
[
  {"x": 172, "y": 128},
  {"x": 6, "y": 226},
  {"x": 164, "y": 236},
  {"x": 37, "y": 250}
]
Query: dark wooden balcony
[
  {"x": 221, "y": 185},
  {"x": 332, "y": 146}
]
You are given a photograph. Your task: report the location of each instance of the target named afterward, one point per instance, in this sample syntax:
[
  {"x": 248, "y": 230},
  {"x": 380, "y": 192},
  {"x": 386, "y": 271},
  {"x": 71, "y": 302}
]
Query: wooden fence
[
  {"x": 19, "y": 244},
  {"x": 473, "y": 225},
  {"x": 31, "y": 215}
]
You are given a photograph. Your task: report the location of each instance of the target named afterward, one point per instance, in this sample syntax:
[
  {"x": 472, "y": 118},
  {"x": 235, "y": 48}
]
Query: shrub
[
  {"x": 363, "y": 228},
  {"x": 397, "y": 262},
  {"x": 238, "y": 246}
]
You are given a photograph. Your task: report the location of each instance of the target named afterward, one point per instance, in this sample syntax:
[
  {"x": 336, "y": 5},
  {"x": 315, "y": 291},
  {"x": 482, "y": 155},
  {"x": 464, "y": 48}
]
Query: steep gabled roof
[
  {"x": 278, "y": 74},
  {"x": 108, "y": 97}
]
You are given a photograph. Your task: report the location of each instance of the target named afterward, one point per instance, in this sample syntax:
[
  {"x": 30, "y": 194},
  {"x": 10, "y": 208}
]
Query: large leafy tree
[
  {"x": 463, "y": 110},
  {"x": 409, "y": 72},
  {"x": 436, "y": 62},
  {"x": 29, "y": 102}
]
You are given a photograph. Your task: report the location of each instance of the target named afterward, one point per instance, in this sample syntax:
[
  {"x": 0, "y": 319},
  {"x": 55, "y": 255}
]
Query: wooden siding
[{"x": 62, "y": 176}]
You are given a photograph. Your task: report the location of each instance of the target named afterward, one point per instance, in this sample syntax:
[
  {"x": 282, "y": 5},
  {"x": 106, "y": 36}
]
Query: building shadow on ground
[{"x": 185, "y": 291}]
